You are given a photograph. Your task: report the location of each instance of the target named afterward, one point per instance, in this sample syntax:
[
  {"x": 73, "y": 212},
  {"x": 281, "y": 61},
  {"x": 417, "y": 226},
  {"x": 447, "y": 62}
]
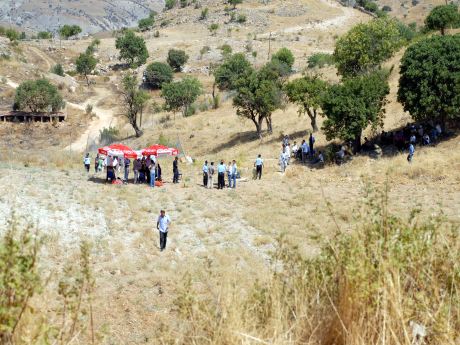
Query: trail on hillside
[{"x": 45, "y": 58}]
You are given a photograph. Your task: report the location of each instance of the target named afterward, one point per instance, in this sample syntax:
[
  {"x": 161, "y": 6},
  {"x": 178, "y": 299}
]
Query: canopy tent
[
  {"x": 159, "y": 150},
  {"x": 118, "y": 150}
]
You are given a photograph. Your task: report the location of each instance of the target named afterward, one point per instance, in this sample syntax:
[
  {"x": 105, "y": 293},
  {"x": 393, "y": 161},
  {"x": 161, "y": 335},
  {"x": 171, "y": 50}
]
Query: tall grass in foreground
[{"x": 390, "y": 281}]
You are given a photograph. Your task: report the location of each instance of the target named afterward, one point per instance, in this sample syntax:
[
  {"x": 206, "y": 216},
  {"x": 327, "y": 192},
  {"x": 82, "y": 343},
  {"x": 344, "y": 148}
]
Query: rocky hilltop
[{"x": 90, "y": 15}]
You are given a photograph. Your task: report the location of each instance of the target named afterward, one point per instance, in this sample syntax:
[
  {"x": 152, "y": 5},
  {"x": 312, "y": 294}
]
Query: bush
[
  {"x": 204, "y": 13},
  {"x": 89, "y": 109},
  {"x": 213, "y": 28},
  {"x": 181, "y": 94},
  {"x": 177, "y": 59},
  {"x": 320, "y": 60},
  {"x": 57, "y": 69},
  {"x": 44, "y": 35},
  {"x": 183, "y": 3},
  {"x": 108, "y": 135},
  {"x": 386, "y": 8},
  {"x": 12, "y": 35},
  {"x": 67, "y": 31},
  {"x": 37, "y": 96},
  {"x": 156, "y": 34},
  {"x": 284, "y": 56},
  {"x": 241, "y": 18},
  {"x": 169, "y": 4},
  {"x": 146, "y": 23},
  {"x": 371, "y": 6},
  {"x": 407, "y": 32},
  {"x": 158, "y": 73},
  {"x": 226, "y": 50}
]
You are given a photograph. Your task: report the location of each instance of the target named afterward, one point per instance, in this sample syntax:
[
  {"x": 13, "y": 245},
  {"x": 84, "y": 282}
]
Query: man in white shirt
[
  {"x": 163, "y": 222},
  {"x": 259, "y": 164},
  {"x": 234, "y": 172},
  {"x": 288, "y": 153}
]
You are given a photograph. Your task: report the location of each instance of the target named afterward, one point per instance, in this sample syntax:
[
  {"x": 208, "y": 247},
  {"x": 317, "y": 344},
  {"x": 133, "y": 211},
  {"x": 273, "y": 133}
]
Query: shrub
[
  {"x": 204, "y": 50},
  {"x": 241, "y": 18},
  {"x": 169, "y": 4},
  {"x": 177, "y": 59},
  {"x": 146, "y": 23},
  {"x": 57, "y": 69},
  {"x": 204, "y": 13},
  {"x": 89, "y": 109},
  {"x": 226, "y": 50},
  {"x": 108, "y": 135},
  {"x": 183, "y": 3},
  {"x": 156, "y": 34},
  {"x": 371, "y": 6},
  {"x": 285, "y": 56},
  {"x": 320, "y": 60},
  {"x": 38, "y": 95},
  {"x": 158, "y": 73},
  {"x": 12, "y": 35},
  {"x": 68, "y": 31},
  {"x": 44, "y": 35},
  {"x": 213, "y": 28},
  {"x": 386, "y": 8}
]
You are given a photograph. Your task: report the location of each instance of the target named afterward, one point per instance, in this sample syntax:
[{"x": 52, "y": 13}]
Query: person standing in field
[
  {"x": 176, "y": 170},
  {"x": 136, "y": 168},
  {"x": 152, "y": 173},
  {"x": 87, "y": 162},
  {"x": 210, "y": 175},
  {"x": 311, "y": 142},
  {"x": 205, "y": 174},
  {"x": 163, "y": 223},
  {"x": 234, "y": 172},
  {"x": 127, "y": 164},
  {"x": 259, "y": 164},
  {"x": 221, "y": 175},
  {"x": 96, "y": 163},
  {"x": 229, "y": 174},
  {"x": 411, "y": 153}
]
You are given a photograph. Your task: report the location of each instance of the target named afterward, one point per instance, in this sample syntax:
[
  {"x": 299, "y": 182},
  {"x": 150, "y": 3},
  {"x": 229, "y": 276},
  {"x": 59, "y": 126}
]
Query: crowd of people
[
  {"x": 305, "y": 152},
  {"x": 145, "y": 170},
  {"x": 230, "y": 170}
]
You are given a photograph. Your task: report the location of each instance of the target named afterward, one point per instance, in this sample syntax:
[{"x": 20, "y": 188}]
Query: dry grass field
[{"x": 221, "y": 243}]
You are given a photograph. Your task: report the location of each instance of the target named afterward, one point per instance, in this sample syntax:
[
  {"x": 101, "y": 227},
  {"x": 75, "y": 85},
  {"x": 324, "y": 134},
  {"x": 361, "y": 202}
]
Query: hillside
[{"x": 224, "y": 249}]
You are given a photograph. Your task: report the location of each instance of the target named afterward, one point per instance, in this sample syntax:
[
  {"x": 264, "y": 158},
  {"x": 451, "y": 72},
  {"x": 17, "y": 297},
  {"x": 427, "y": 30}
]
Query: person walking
[
  {"x": 152, "y": 173},
  {"x": 221, "y": 175},
  {"x": 205, "y": 174},
  {"x": 87, "y": 162},
  {"x": 282, "y": 160},
  {"x": 176, "y": 170},
  {"x": 311, "y": 142},
  {"x": 127, "y": 164},
  {"x": 259, "y": 164},
  {"x": 234, "y": 172},
  {"x": 163, "y": 223},
  {"x": 211, "y": 175},
  {"x": 411, "y": 153}
]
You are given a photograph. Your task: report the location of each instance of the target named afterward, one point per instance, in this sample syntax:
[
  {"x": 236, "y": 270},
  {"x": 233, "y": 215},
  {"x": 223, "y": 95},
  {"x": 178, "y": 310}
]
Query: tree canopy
[
  {"x": 146, "y": 23},
  {"x": 177, "y": 59},
  {"x": 429, "y": 85},
  {"x": 67, "y": 31},
  {"x": 307, "y": 93},
  {"x": 181, "y": 94},
  {"x": 366, "y": 46},
  {"x": 355, "y": 104},
  {"x": 441, "y": 17},
  {"x": 158, "y": 73},
  {"x": 132, "y": 49},
  {"x": 233, "y": 68},
  {"x": 38, "y": 96}
]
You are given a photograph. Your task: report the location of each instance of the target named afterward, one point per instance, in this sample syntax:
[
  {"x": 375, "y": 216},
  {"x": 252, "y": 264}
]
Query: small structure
[{"x": 22, "y": 116}]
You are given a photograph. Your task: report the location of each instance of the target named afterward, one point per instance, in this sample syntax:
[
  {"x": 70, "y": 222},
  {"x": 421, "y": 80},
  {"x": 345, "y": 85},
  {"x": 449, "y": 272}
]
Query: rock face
[{"x": 90, "y": 15}]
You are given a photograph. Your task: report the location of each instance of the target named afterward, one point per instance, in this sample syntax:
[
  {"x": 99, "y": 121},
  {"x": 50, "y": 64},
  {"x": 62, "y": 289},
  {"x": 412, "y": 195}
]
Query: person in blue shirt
[
  {"x": 221, "y": 175},
  {"x": 305, "y": 149},
  {"x": 205, "y": 174},
  {"x": 411, "y": 152},
  {"x": 259, "y": 164},
  {"x": 163, "y": 223}
]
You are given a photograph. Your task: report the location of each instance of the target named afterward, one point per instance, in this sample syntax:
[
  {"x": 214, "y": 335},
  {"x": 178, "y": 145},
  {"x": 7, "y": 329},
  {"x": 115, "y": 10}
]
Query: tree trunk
[
  {"x": 138, "y": 131},
  {"x": 312, "y": 116},
  {"x": 268, "y": 119},
  {"x": 258, "y": 125},
  {"x": 87, "y": 80},
  {"x": 443, "y": 31}
]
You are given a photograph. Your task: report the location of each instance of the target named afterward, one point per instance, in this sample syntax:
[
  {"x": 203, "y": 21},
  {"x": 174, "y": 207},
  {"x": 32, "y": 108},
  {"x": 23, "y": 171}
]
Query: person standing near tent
[
  {"x": 163, "y": 223},
  {"x": 96, "y": 163},
  {"x": 221, "y": 168},
  {"x": 152, "y": 173},
  {"x": 127, "y": 164},
  {"x": 176, "y": 170},
  {"x": 87, "y": 162},
  {"x": 205, "y": 174},
  {"x": 259, "y": 164},
  {"x": 137, "y": 165},
  {"x": 210, "y": 175}
]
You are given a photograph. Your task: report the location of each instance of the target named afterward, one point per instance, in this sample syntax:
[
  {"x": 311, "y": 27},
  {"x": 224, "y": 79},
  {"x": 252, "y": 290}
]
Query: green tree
[
  {"x": 132, "y": 49},
  {"x": 68, "y": 31},
  {"x": 37, "y": 96},
  {"x": 146, "y": 23},
  {"x": 177, "y": 59},
  {"x": 85, "y": 64},
  {"x": 12, "y": 35},
  {"x": 366, "y": 46},
  {"x": 355, "y": 104},
  {"x": 231, "y": 70},
  {"x": 256, "y": 99},
  {"x": 284, "y": 55},
  {"x": 235, "y": 2},
  {"x": 134, "y": 101},
  {"x": 158, "y": 73},
  {"x": 93, "y": 46},
  {"x": 307, "y": 93},
  {"x": 442, "y": 17},
  {"x": 44, "y": 35},
  {"x": 180, "y": 95},
  {"x": 57, "y": 69},
  {"x": 429, "y": 85}
]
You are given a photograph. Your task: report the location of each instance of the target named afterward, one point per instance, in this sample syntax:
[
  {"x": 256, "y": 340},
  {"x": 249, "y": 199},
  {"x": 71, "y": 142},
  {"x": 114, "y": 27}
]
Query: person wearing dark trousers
[
  {"x": 163, "y": 222},
  {"x": 176, "y": 170},
  {"x": 259, "y": 163},
  {"x": 205, "y": 174},
  {"x": 221, "y": 175},
  {"x": 311, "y": 142}
]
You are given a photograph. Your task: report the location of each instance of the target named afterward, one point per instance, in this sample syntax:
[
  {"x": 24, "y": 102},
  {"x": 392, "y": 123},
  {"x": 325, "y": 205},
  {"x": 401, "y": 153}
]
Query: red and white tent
[
  {"x": 159, "y": 150},
  {"x": 118, "y": 150}
]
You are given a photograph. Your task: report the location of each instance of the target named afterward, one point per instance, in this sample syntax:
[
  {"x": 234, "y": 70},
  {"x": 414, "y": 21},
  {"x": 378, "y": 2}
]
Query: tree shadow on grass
[{"x": 236, "y": 139}]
